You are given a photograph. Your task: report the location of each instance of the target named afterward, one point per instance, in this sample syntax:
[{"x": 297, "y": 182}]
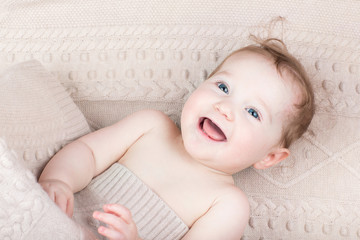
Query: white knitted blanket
[{"x": 116, "y": 57}]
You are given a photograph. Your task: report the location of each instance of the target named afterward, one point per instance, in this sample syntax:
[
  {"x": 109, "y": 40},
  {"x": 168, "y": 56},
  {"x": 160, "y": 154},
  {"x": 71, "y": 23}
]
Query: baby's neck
[{"x": 201, "y": 165}]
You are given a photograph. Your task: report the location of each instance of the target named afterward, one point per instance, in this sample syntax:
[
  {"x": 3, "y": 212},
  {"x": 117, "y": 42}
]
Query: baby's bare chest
[{"x": 162, "y": 167}]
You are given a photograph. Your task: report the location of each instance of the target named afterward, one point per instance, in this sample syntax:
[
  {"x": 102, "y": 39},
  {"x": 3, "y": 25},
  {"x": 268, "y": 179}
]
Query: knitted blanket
[
  {"x": 26, "y": 211},
  {"x": 98, "y": 61},
  {"x": 153, "y": 217}
]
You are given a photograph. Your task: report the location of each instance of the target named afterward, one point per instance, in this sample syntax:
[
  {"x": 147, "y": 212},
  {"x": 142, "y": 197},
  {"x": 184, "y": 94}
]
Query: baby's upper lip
[{"x": 211, "y": 129}]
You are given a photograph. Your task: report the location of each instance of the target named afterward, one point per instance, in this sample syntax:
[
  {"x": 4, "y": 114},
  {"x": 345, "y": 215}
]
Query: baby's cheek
[{"x": 251, "y": 148}]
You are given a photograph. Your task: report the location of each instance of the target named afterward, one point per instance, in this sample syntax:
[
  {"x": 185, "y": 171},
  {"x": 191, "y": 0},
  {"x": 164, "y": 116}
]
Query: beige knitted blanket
[{"x": 116, "y": 57}]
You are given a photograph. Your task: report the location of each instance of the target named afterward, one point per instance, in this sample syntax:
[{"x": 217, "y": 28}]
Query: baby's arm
[
  {"x": 226, "y": 219},
  {"x": 67, "y": 172},
  {"x": 73, "y": 167}
]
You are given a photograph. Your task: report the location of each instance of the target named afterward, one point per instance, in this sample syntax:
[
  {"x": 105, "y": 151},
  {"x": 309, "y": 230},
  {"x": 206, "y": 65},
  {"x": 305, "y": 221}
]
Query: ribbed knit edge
[
  {"x": 37, "y": 126},
  {"x": 74, "y": 121},
  {"x": 153, "y": 217}
]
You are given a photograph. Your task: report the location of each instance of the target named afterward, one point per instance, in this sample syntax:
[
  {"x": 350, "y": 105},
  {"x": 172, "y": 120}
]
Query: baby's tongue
[{"x": 213, "y": 131}]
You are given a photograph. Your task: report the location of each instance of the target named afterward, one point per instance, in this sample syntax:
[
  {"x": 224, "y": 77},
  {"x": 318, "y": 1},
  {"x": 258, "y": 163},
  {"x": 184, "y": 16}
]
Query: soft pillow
[{"x": 37, "y": 115}]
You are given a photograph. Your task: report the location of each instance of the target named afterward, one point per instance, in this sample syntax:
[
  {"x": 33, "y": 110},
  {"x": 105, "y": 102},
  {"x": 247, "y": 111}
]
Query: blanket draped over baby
[{"x": 153, "y": 217}]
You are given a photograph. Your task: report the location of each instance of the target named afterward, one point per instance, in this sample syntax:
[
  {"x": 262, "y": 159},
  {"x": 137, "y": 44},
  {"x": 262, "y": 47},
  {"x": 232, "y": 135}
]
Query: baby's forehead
[
  {"x": 247, "y": 57},
  {"x": 262, "y": 67},
  {"x": 263, "y": 59},
  {"x": 257, "y": 53},
  {"x": 249, "y": 54},
  {"x": 248, "y": 61}
]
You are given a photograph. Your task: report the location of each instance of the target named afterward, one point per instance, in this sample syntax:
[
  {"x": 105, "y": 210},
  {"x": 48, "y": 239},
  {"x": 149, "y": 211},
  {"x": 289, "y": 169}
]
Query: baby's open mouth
[{"x": 211, "y": 130}]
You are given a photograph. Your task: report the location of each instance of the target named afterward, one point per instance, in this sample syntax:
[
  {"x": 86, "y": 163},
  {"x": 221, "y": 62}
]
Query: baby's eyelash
[
  {"x": 223, "y": 87},
  {"x": 254, "y": 113}
]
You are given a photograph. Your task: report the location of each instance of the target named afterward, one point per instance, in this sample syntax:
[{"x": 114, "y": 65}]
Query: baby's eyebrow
[{"x": 225, "y": 73}]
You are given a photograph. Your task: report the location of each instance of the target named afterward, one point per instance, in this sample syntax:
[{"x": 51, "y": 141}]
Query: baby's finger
[
  {"x": 61, "y": 201},
  {"x": 119, "y": 211},
  {"x": 51, "y": 194},
  {"x": 70, "y": 207},
  {"x": 110, "y": 233},
  {"x": 111, "y": 220}
]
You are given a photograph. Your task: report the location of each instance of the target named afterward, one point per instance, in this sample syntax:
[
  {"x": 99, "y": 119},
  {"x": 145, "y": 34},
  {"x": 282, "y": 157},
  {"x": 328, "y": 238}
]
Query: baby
[{"x": 247, "y": 113}]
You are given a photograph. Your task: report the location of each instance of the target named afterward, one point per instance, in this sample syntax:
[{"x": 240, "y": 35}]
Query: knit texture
[
  {"x": 26, "y": 211},
  {"x": 116, "y": 57},
  {"x": 37, "y": 115},
  {"x": 153, "y": 217}
]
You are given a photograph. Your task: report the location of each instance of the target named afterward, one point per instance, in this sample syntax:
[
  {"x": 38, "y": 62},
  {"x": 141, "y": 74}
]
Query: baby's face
[{"x": 235, "y": 118}]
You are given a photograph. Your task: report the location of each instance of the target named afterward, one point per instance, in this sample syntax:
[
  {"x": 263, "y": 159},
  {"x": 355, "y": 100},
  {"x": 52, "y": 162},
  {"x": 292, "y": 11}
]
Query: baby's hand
[
  {"x": 119, "y": 221},
  {"x": 60, "y": 193}
]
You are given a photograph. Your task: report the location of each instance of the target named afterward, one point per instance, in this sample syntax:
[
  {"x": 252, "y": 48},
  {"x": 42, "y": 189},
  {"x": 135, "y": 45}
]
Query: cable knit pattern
[
  {"x": 26, "y": 212},
  {"x": 116, "y": 57}
]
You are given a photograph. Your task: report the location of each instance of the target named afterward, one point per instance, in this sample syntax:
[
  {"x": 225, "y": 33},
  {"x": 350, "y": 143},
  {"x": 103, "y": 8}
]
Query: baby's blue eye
[
  {"x": 223, "y": 87},
  {"x": 253, "y": 113}
]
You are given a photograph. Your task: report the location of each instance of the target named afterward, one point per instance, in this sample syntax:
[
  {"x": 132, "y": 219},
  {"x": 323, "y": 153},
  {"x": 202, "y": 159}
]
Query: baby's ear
[{"x": 272, "y": 158}]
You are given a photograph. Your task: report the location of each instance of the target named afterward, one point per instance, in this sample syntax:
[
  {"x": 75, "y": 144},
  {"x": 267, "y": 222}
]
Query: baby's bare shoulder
[
  {"x": 233, "y": 197},
  {"x": 157, "y": 119},
  {"x": 156, "y": 124},
  {"x": 233, "y": 202},
  {"x": 153, "y": 116},
  {"x": 226, "y": 219}
]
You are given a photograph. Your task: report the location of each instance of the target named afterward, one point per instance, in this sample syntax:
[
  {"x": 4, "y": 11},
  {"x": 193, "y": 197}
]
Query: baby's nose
[{"x": 225, "y": 110}]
